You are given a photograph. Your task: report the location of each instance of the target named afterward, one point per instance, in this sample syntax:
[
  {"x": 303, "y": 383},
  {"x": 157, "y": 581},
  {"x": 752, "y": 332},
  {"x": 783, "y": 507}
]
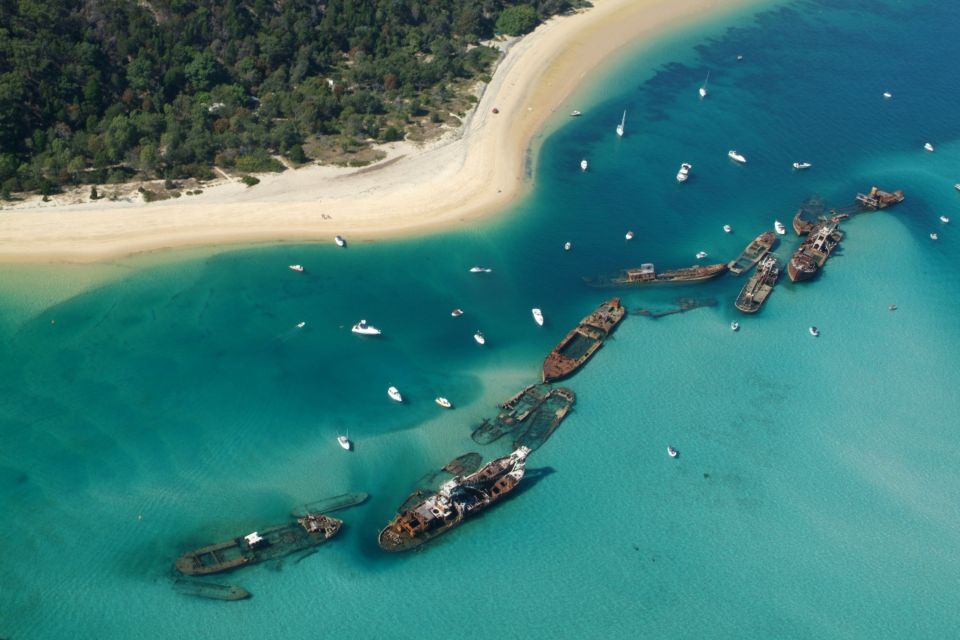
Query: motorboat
[
  {"x": 739, "y": 58},
  {"x": 673, "y": 453},
  {"x": 340, "y": 241},
  {"x": 684, "y": 172},
  {"x": 733, "y": 155},
  {"x": 703, "y": 88},
  {"x": 456, "y": 313},
  {"x": 779, "y": 228},
  {"x": 301, "y": 325},
  {"x": 944, "y": 219},
  {"x": 478, "y": 336},
  {"x": 927, "y": 146},
  {"x": 799, "y": 166},
  {"x": 814, "y": 331},
  {"x": 443, "y": 402},
  {"x": 567, "y": 246},
  {"x": 892, "y": 307},
  {"x": 344, "y": 442},
  {"x": 480, "y": 269},
  {"x": 297, "y": 267},
  {"x": 365, "y": 329},
  {"x": 584, "y": 164},
  {"x": 701, "y": 255},
  {"x": 394, "y": 394},
  {"x": 887, "y": 95},
  {"x": 623, "y": 122},
  {"x": 957, "y": 186},
  {"x": 629, "y": 235},
  {"x": 575, "y": 114},
  {"x": 735, "y": 326},
  {"x": 727, "y": 228},
  {"x": 537, "y": 316},
  {"x": 934, "y": 236}
]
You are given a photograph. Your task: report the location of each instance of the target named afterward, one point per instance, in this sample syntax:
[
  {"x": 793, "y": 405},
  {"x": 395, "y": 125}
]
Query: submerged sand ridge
[{"x": 471, "y": 172}]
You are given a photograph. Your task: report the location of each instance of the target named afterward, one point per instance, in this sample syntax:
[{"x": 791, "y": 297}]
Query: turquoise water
[{"x": 152, "y": 405}]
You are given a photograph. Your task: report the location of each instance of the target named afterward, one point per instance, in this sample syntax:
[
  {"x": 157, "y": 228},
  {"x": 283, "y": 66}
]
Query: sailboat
[
  {"x": 703, "y": 89},
  {"x": 620, "y": 126}
]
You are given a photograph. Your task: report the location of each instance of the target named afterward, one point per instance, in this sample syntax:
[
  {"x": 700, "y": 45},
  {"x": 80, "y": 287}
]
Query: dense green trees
[{"x": 99, "y": 90}]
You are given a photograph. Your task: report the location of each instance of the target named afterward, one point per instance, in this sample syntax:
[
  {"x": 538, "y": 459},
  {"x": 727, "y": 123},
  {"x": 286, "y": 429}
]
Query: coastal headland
[{"x": 469, "y": 173}]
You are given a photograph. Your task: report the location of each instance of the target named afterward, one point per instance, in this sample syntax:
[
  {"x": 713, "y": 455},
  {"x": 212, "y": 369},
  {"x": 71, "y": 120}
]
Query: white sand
[{"x": 471, "y": 172}]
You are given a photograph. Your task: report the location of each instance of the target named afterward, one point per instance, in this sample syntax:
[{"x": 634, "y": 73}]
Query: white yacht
[
  {"x": 365, "y": 329},
  {"x": 799, "y": 166},
  {"x": 340, "y": 241},
  {"x": 537, "y": 316},
  {"x": 957, "y": 186},
  {"x": 944, "y": 219},
  {"x": 703, "y": 89},
  {"x": 584, "y": 164},
  {"x": 575, "y": 114},
  {"x": 887, "y": 95},
  {"x": 456, "y": 313},
  {"x": 927, "y": 146},
  {"x": 344, "y": 442},
  {"x": 735, "y": 326},
  {"x": 814, "y": 331},
  {"x": 727, "y": 228},
  {"x": 701, "y": 255},
  {"x": 297, "y": 267},
  {"x": 478, "y": 336},
  {"x": 673, "y": 453},
  {"x": 684, "y": 172},
  {"x": 779, "y": 228},
  {"x": 733, "y": 155},
  {"x": 623, "y": 122},
  {"x": 567, "y": 246},
  {"x": 394, "y": 394},
  {"x": 934, "y": 236},
  {"x": 301, "y": 325},
  {"x": 480, "y": 269},
  {"x": 629, "y": 235},
  {"x": 443, "y": 402}
]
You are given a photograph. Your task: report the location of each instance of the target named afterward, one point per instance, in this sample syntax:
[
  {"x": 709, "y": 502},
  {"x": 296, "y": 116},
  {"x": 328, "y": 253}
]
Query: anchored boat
[
  {"x": 647, "y": 274},
  {"x": 583, "y": 341}
]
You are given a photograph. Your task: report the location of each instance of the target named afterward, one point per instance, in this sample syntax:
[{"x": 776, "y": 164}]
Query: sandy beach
[{"x": 474, "y": 171}]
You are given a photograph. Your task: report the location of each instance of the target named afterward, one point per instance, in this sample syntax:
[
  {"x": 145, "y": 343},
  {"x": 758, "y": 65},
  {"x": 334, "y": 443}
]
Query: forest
[{"x": 108, "y": 91}]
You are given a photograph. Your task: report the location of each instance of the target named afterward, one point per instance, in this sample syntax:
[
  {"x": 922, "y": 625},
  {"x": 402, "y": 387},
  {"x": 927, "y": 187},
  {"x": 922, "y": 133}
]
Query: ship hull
[
  {"x": 799, "y": 275},
  {"x": 578, "y": 346}
]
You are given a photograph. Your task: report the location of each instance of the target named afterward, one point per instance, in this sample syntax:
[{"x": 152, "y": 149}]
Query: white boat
[
  {"x": 584, "y": 164},
  {"x": 480, "y": 270},
  {"x": 479, "y": 338},
  {"x": 623, "y": 122},
  {"x": 727, "y": 228},
  {"x": 394, "y": 394},
  {"x": 934, "y": 236},
  {"x": 365, "y": 329},
  {"x": 301, "y": 325},
  {"x": 537, "y": 316},
  {"x": 739, "y": 58},
  {"x": 779, "y": 228},
  {"x": 957, "y": 186},
  {"x": 344, "y": 442},
  {"x": 456, "y": 313},
  {"x": 799, "y": 166},
  {"x": 443, "y": 402},
  {"x": 701, "y": 255},
  {"x": 735, "y": 326},
  {"x": 684, "y": 172},
  {"x": 567, "y": 246},
  {"x": 297, "y": 267},
  {"x": 944, "y": 219},
  {"x": 887, "y": 95},
  {"x": 733, "y": 155},
  {"x": 892, "y": 307},
  {"x": 703, "y": 89},
  {"x": 927, "y": 146},
  {"x": 629, "y": 235},
  {"x": 340, "y": 241},
  {"x": 673, "y": 453},
  {"x": 814, "y": 331},
  {"x": 575, "y": 114}
]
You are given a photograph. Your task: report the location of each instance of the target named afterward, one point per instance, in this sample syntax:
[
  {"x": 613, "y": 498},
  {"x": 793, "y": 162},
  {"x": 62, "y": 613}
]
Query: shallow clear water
[{"x": 152, "y": 405}]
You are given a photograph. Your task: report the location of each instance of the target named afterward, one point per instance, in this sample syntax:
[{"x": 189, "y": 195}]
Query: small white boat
[
  {"x": 684, "y": 172},
  {"x": 394, "y": 394},
  {"x": 629, "y": 235},
  {"x": 479, "y": 338},
  {"x": 739, "y": 58},
  {"x": 537, "y": 316},
  {"x": 701, "y": 255},
  {"x": 575, "y": 114},
  {"x": 443, "y": 402},
  {"x": 892, "y": 307},
  {"x": 779, "y": 228},
  {"x": 340, "y": 241},
  {"x": 301, "y": 325},
  {"x": 814, "y": 331},
  {"x": 703, "y": 89},
  {"x": 733, "y": 155},
  {"x": 887, "y": 95},
  {"x": 567, "y": 246},
  {"x": 735, "y": 326},
  {"x": 456, "y": 313},
  {"x": 934, "y": 236},
  {"x": 297, "y": 267},
  {"x": 927, "y": 146},
  {"x": 623, "y": 122},
  {"x": 344, "y": 442},
  {"x": 365, "y": 329},
  {"x": 584, "y": 164},
  {"x": 480, "y": 269},
  {"x": 944, "y": 219},
  {"x": 957, "y": 186},
  {"x": 799, "y": 166},
  {"x": 727, "y": 228},
  {"x": 673, "y": 453}
]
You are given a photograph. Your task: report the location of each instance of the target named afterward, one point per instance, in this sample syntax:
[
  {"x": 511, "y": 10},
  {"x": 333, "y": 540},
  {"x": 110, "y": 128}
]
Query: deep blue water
[{"x": 152, "y": 405}]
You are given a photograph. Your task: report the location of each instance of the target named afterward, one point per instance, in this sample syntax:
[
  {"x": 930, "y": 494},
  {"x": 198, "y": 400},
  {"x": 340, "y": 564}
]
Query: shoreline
[{"x": 470, "y": 173}]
